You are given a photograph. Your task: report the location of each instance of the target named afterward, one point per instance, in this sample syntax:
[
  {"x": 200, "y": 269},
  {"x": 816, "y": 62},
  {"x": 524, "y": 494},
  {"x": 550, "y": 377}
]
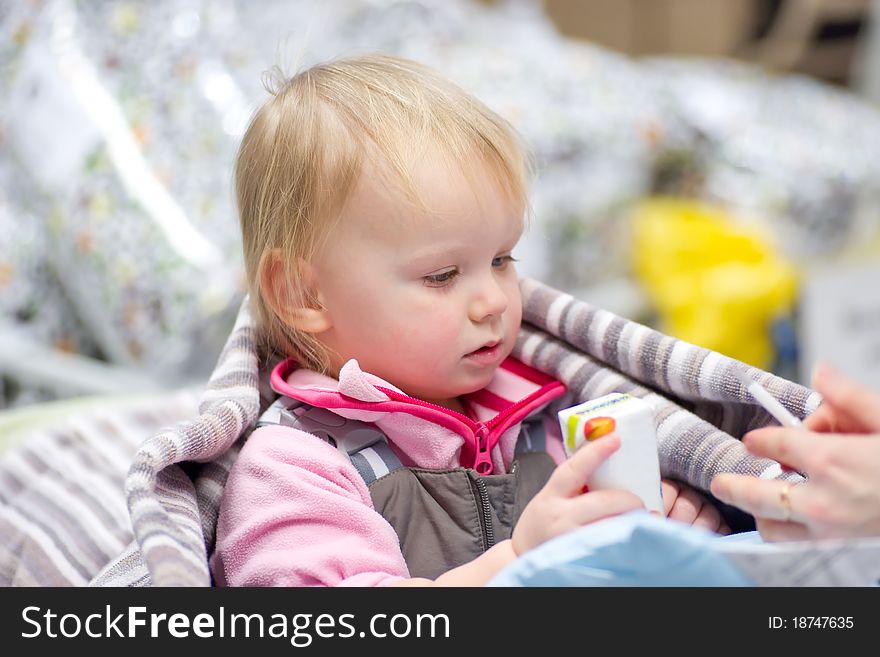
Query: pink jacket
[{"x": 295, "y": 511}]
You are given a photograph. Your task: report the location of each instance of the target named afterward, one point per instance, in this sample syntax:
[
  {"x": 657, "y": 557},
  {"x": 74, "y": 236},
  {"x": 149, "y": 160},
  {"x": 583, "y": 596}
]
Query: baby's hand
[
  {"x": 561, "y": 506},
  {"x": 685, "y": 504}
]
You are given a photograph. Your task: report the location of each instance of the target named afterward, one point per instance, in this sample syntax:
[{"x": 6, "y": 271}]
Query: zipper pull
[{"x": 482, "y": 461}]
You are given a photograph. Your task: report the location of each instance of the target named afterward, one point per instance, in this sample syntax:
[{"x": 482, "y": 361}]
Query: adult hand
[
  {"x": 838, "y": 448},
  {"x": 561, "y": 506},
  {"x": 848, "y": 407}
]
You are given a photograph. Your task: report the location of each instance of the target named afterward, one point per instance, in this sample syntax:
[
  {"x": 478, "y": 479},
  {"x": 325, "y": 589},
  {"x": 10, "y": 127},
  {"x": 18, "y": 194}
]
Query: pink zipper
[{"x": 485, "y": 435}]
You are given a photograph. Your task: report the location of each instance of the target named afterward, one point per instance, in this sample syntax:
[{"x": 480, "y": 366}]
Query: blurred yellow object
[{"x": 715, "y": 284}]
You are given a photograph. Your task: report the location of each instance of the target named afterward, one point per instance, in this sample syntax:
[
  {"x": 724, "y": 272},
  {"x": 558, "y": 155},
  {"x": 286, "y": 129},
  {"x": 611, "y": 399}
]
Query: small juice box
[{"x": 635, "y": 466}]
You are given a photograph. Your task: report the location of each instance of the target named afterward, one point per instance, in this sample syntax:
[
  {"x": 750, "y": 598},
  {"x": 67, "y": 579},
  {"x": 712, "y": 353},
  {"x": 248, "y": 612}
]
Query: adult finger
[
  {"x": 777, "y": 530},
  {"x": 792, "y": 446},
  {"x": 569, "y": 477},
  {"x": 599, "y": 504},
  {"x": 822, "y": 420},
  {"x": 830, "y": 419},
  {"x": 762, "y": 498},
  {"x": 856, "y": 400}
]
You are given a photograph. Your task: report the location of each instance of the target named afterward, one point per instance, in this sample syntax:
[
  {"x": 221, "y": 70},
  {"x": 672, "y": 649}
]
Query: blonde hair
[{"x": 305, "y": 149}]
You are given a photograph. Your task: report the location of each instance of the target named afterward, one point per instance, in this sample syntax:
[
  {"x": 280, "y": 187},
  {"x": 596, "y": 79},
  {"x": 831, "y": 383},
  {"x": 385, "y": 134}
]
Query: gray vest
[{"x": 443, "y": 518}]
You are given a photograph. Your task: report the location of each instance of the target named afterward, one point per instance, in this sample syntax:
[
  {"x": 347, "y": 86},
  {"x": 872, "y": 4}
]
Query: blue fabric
[{"x": 635, "y": 549}]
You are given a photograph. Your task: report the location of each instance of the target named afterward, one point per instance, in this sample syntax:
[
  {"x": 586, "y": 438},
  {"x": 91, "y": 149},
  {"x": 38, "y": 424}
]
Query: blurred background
[{"x": 708, "y": 167}]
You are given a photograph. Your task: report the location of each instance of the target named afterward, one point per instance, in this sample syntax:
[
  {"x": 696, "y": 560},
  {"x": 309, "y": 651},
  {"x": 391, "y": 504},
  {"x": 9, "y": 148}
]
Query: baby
[{"x": 380, "y": 206}]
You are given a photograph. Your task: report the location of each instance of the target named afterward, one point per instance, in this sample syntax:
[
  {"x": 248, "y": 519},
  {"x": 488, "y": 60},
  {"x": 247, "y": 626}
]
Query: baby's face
[{"x": 428, "y": 301}]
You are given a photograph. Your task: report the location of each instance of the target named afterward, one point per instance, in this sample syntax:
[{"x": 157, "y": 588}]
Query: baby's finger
[
  {"x": 669, "y": 491},
  {"x": 687, "y": 506},
  {"x": 569, "y": 477},
  {"x": 599, "y": 504},
  {"x": 709, "y": 518}
]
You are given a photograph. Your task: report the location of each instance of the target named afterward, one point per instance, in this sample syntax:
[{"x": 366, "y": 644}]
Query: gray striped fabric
[
  {"x": 173, "y": 514},
  {"x": 701, "y": 406},
  {"x": 701, "y": 410},
  {"x": 62, "y": 512}
]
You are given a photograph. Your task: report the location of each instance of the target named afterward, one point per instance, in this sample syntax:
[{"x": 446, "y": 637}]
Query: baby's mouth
[
  {"x": 487, "y": 346},
  {"x": 487, "y": 353}
]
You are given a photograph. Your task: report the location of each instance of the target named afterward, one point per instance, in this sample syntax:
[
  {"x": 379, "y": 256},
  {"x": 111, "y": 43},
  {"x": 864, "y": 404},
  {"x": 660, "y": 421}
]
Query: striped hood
[{"x": 427, "y": 435}]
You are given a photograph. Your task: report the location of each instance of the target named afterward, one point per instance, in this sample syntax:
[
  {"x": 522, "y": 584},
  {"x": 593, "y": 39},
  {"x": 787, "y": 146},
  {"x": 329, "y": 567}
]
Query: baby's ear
[{"x": 302, "y": 311}]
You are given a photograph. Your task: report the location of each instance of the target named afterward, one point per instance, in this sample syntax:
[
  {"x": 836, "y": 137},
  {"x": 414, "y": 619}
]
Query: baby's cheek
[
  {"x": 413, "y": 340},
  {"x": 436, "y": 340},
  {"x": 514, "y": 309}
]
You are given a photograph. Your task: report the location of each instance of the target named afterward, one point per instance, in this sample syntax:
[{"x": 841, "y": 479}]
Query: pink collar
[{"x": 515, "y": 392}]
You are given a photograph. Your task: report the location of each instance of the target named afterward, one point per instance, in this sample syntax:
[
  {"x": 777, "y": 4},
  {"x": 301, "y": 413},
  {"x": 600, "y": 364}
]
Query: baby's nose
[{"x": 490, "y": 301}]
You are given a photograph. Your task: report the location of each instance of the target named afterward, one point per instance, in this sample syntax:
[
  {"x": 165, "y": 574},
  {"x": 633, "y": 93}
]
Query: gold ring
[{"x": 785, "y": 500}]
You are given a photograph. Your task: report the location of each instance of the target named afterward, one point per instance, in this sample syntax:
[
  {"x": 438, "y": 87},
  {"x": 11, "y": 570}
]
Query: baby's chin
[{"x": 456, "y": 389}]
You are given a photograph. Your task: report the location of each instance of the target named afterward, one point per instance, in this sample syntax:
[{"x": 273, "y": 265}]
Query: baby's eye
[
  {"x": 441, "y": 279},
  {"x": 499, "y": 262}
]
